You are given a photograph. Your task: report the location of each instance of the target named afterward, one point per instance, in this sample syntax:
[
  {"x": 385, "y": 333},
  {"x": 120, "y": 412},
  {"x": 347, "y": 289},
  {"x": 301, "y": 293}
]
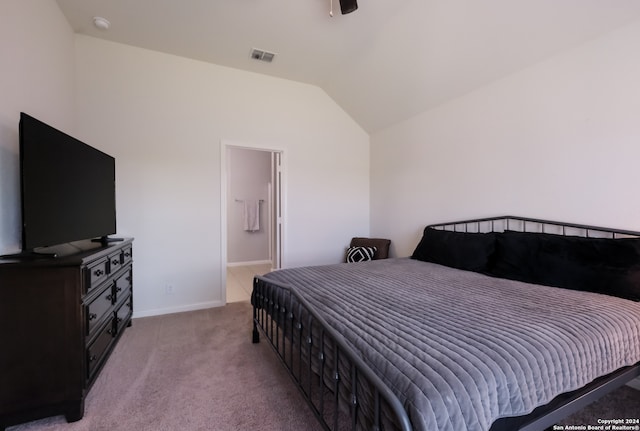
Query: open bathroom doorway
[{"x": 252, "y": 202}]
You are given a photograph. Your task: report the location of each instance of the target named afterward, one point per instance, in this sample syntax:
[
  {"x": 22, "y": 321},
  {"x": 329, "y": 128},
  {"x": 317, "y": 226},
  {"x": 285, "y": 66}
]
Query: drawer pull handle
[
  {"x": 92, "y": 316},
  {"x": 119, "y": 320},
  {"x": 115, "y": 262},
  {"x": 127, "y": 254},
  {"x": 92, "y": 358},
  {"x": 118, "y": 289},
  {"x": 98, "y": 272},
  {"x": 110, "y": 331},
  {"x": 128, "y": 279},
  {"x": 109, "y": 297}
]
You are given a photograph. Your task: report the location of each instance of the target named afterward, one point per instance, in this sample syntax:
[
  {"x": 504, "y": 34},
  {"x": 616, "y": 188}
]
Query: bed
[{"x": 501, "y": 323}]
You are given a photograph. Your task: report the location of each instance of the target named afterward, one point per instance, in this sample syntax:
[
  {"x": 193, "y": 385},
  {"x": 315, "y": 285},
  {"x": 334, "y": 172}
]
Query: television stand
[{"x": 60, "y": 319}]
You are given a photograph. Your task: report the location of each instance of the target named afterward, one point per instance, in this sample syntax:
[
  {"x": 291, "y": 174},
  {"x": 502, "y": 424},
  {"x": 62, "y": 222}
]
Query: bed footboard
[{"x": 340, "y": 388}]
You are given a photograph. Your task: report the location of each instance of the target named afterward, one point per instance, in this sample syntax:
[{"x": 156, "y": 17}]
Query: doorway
[{"x": 252, "y": 230}]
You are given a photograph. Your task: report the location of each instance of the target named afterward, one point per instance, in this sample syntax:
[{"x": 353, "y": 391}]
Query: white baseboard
[
  {"x": 178, "y": 309},
  {"x": 251, "y": 262}
]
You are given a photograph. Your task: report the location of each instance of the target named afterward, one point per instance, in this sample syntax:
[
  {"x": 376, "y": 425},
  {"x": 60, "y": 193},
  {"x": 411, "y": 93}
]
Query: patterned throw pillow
[{"x": 360, "y": 254}]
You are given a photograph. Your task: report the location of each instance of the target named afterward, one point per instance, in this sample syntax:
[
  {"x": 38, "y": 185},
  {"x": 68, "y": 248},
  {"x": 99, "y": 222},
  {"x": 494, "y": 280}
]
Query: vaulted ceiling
[{"x": 387, "y": 61}]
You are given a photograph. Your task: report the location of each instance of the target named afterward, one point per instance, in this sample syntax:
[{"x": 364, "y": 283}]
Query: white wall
[
  {"x": 163, "y": 117},
  {"x": 560, "y": 141},
  {"x": 37, "y": 77},
  {"x": 248, "y": 178}
]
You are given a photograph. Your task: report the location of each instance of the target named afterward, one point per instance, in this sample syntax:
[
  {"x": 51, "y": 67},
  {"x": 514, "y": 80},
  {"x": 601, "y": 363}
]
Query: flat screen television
[{"x": 67, "y": 188}]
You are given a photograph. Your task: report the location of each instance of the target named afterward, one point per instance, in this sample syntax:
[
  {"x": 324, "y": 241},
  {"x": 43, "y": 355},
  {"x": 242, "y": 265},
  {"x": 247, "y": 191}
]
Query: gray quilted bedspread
[{"x": 461, "y": 349}]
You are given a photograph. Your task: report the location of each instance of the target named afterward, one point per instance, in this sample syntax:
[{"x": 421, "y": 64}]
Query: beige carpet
[
  {"x": 190, "y": 371},
  {"x": 200, "y": 371}
]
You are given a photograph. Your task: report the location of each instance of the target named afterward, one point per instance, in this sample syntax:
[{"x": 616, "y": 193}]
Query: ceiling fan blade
[{"x": 348, "y": 6}]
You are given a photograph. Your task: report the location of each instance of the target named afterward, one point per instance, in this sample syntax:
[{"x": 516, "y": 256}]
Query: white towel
[{"x": 251, "y": 215}]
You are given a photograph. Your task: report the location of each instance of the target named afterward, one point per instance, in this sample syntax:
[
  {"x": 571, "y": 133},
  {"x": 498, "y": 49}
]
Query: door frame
[{"x": 225, "y": 144}]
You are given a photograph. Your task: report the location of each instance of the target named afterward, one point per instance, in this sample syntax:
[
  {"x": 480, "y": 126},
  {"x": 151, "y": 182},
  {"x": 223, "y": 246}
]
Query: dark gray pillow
[
  {"x": 462, "y": 250},
  {"x": 609, "y": 266}
]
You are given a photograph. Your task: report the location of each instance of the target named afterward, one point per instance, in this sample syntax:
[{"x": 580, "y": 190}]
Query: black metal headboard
[{"x": 524, "y": 224}]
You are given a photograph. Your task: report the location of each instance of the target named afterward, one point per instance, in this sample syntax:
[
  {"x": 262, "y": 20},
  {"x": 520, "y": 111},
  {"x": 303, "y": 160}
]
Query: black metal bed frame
[
  {"x": 344, "y": 393},
  {"x": 525, "y": 224},
  {"x": 326, "y": 370}
]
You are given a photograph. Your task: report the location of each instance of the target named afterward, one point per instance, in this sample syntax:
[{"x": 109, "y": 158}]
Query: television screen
[{"x": 67, "y": 187}]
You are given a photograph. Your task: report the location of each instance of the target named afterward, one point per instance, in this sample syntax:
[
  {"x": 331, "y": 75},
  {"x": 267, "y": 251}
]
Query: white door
[{"x": 276, "y": 236}]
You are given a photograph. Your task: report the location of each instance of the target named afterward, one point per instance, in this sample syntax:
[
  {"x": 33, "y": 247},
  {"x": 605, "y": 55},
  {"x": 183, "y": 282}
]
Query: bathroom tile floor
[{"x": 240, "y": 280}]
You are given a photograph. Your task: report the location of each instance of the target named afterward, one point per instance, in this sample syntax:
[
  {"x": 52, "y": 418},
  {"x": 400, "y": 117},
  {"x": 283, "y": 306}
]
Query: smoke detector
[
  {"x": 101, "y": 23},
  {"x": 259, "y": 54}
]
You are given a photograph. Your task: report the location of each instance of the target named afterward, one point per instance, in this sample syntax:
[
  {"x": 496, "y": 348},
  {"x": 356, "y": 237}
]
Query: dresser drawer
[
  {"x": 99, "y": 347},
  {"x": 123, "y": 314},
  {"x": 97, "y": 309},
  {"x": 123, "y": 286},
  {"x": 115, "y": 262},
  {"x": 96, "y": 273},
  {"x": 127, "y": 255}
]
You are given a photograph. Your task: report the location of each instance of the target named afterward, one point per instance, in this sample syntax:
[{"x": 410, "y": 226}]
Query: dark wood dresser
[{"x": 60, "y": 318}]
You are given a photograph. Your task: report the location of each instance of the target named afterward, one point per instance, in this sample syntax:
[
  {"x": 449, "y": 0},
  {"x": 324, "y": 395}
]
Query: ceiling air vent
[{"x": 258, "y": 54}]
